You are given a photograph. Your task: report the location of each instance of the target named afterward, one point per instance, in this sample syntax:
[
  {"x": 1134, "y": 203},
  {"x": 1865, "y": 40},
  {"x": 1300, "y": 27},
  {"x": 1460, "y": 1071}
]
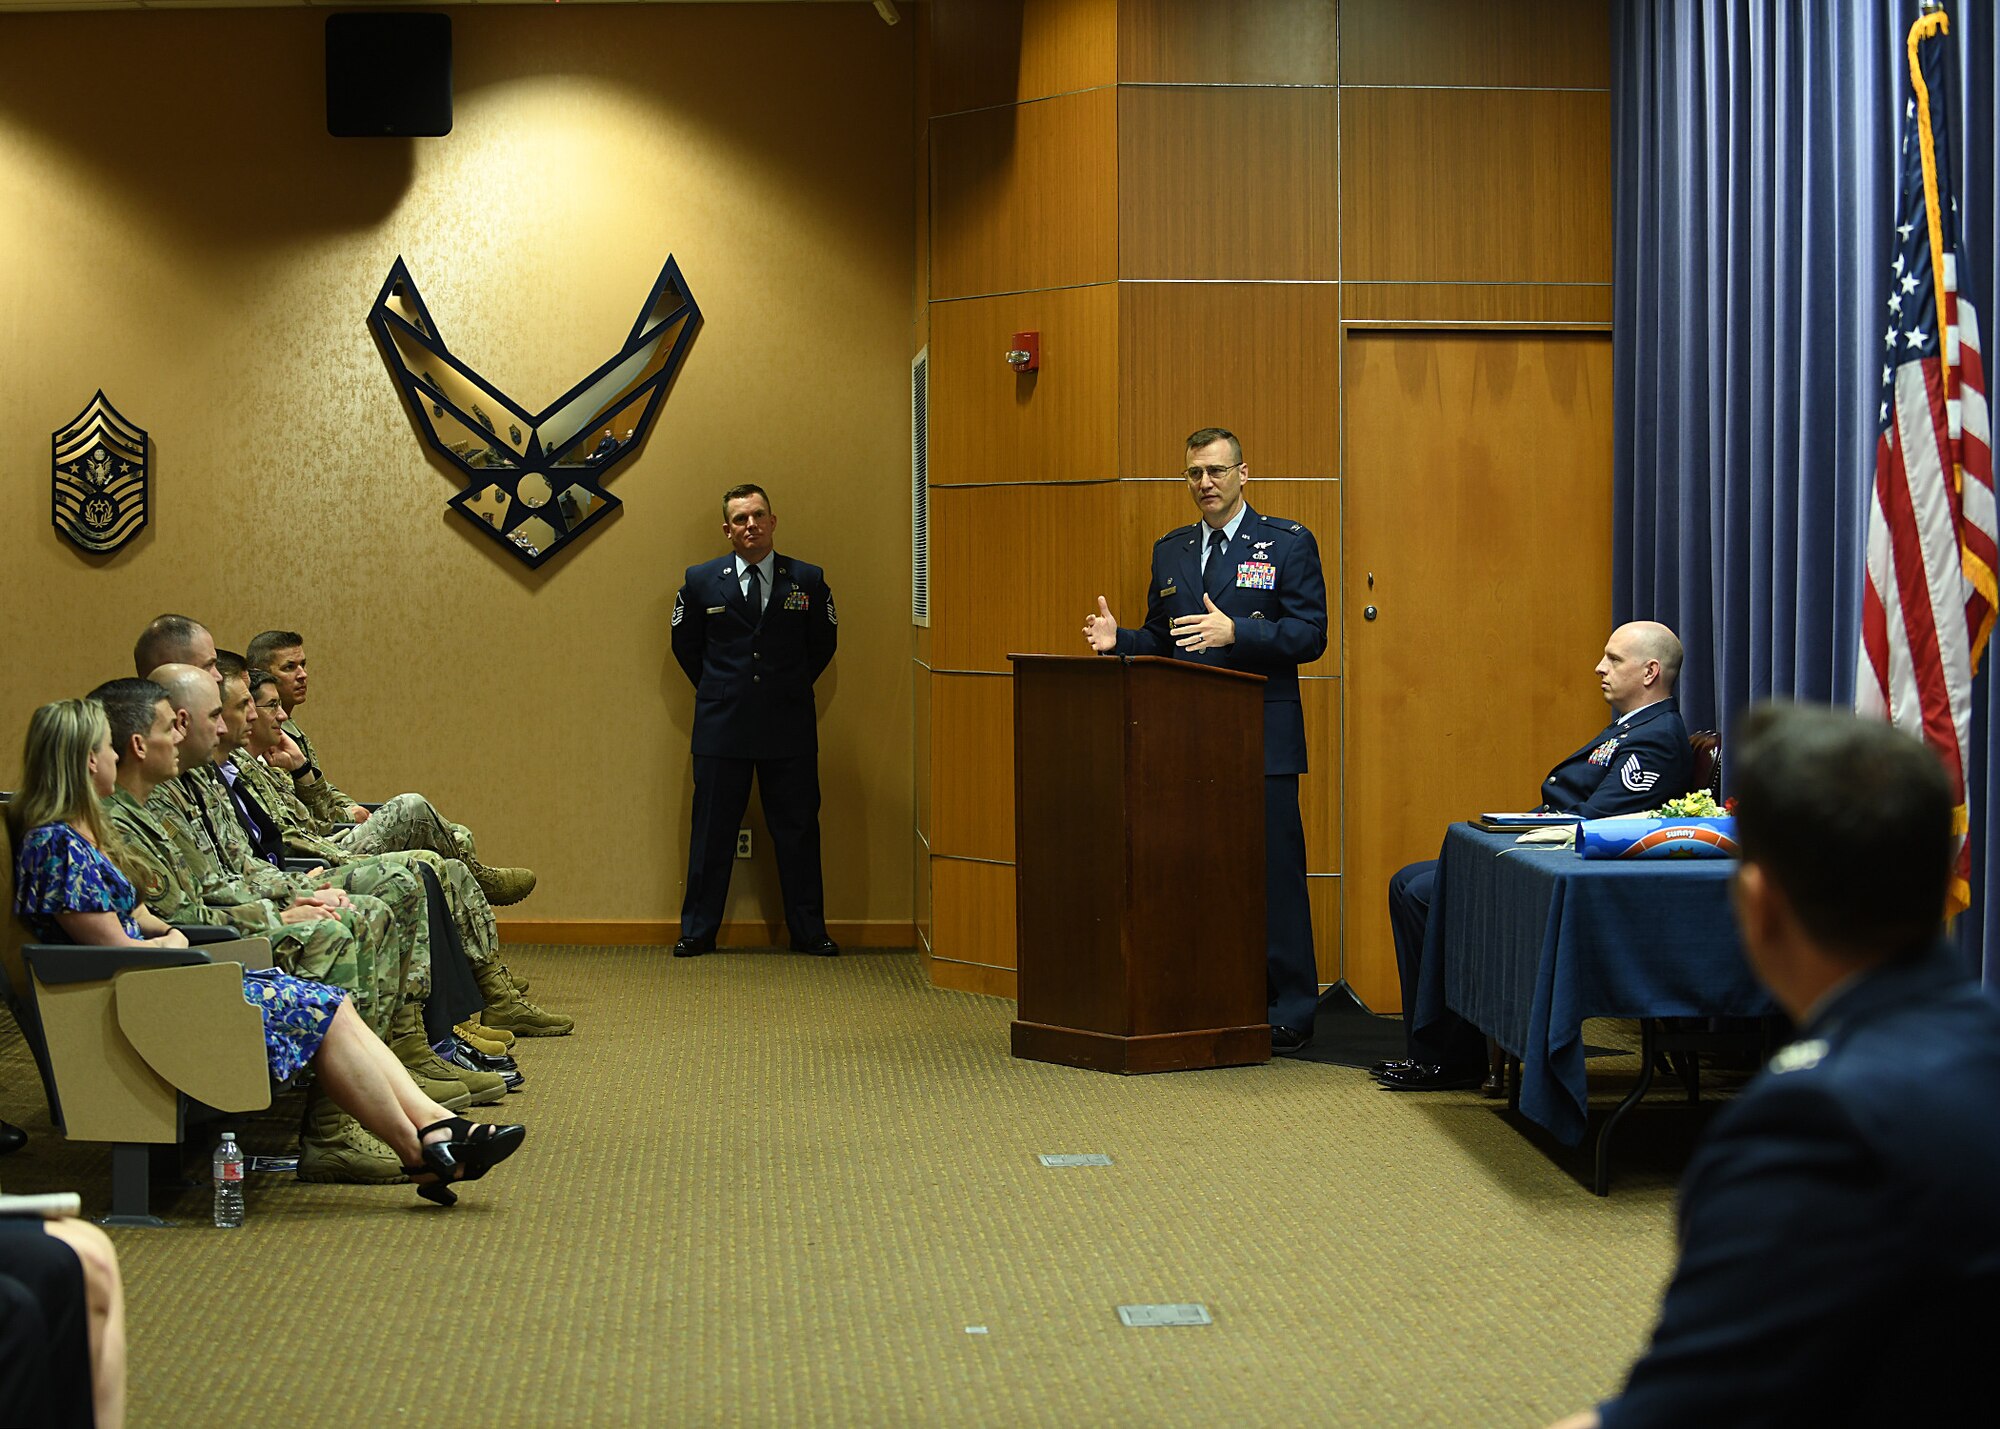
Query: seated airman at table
[{"x": 1638, "y": 761}]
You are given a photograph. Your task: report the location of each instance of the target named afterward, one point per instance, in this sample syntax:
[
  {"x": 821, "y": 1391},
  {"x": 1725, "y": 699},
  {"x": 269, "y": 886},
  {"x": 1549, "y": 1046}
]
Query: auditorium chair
[{"x": 133, "y": 1043}]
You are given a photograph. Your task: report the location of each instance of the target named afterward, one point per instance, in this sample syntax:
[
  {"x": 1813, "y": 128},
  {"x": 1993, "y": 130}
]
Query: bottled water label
[{"x": 227, "y": 1171}]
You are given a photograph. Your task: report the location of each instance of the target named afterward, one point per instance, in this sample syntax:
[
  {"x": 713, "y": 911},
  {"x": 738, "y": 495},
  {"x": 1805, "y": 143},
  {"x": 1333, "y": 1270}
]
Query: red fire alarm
[{"x": 1026, "y": 354}]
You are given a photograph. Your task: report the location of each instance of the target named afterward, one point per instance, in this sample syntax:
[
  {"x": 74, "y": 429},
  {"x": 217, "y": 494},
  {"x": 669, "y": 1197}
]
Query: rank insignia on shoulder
[
  {"x": 1602, "y": 754},
  {"x": 680, "y": 608},
  {"x": 831, "y": 618},
  {"x": 1799, "y": 1057},
  {"x": 1635, "y": 778},
  {"x": 797, "y": 600},
  {"x": 1167, "y": 590}
]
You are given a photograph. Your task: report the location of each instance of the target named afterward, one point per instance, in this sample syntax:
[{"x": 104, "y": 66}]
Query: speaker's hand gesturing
[
  {"x": 1101, "y": 629},
  {"x": 1211, "y": 630}
]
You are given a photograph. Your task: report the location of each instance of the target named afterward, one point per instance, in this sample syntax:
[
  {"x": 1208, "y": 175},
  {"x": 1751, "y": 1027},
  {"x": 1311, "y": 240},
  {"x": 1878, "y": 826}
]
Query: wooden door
[{"x": 1478, "y": 527}]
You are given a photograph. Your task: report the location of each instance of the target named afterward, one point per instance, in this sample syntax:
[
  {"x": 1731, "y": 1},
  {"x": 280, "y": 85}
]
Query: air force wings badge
[
  {"x": 536, "y": 478},
  {"x": 98, "y": 498}
]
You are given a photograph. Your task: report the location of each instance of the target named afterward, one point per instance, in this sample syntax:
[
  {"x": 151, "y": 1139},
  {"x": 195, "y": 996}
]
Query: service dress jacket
[
  {"x": 753, "y": 680},
  {"x": 1840, "y": 1224},
  {"x": 1625, "y": 768},
  {"x": 1275, "y": 593}
]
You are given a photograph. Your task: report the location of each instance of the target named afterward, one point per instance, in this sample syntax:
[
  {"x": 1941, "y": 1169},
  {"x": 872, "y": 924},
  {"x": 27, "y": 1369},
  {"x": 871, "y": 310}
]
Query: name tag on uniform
[
  {"x": 1602, "y": 754},
  {"x": 717, "y": 609},
  {"x": 1167, "y": 590},
  {"x": 1257, "y": 575},
  {"x": 796, "y": 600}
]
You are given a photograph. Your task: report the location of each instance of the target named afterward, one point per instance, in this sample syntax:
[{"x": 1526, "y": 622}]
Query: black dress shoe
[
  {"x": 692, "y": 948},
  {"x": 824, "y": 948},
  {"x": 1401, "y": 1064},
  {"x": 12, "y": 1138},
  {"x": 1429, "y": 1077},
  {"x": 1287, "y": 1040},
  {"x": 459, "y": 1054}
]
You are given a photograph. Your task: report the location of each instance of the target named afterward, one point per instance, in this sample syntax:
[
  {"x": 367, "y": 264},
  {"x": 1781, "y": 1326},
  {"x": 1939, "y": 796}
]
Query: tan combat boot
[
  {"x": 492, "y": 1034},
  {"x": 502, "y": 886},
  {"x": 335, "y": 1149},
  {"x": 506, "y": 1008},
  {"x": 453, "y": 1088},
  {"x": 475, "y": 1037}
]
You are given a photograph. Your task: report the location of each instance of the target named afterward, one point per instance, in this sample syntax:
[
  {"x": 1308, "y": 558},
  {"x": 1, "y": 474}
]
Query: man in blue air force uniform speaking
[
  {"x": 753, "y": 630},
  {"x": 1637, "y": 762},
  {"x": 1245, "y": 592}
]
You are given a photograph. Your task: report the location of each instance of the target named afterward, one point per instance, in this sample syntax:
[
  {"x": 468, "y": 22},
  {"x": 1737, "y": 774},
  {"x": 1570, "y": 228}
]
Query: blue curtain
[{"x": 1754, "y": 147}]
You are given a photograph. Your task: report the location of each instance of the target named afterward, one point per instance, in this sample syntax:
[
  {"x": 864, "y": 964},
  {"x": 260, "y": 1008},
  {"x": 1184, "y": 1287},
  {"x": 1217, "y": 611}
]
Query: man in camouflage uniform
[
  {"x": 408, "y": 821},
  {"x": 252, "y": 717},
  {"x": 203, "y": 805},
  {"x": 344, "y": 945}
]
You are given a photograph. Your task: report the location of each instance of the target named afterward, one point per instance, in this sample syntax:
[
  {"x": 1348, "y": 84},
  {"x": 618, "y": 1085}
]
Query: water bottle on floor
[{"x": 229, "y": 1182}]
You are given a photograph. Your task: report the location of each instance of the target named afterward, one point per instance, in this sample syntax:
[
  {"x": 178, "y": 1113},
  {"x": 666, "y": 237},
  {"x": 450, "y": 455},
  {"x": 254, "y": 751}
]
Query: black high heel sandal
[{"x": 474, "y": 1148}]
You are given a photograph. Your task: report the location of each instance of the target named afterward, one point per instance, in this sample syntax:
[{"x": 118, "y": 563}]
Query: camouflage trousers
[
  {"x": 404, "y": 956},
  {"x": 351, "y": 952},
  {"x": 470, "y": 913},
  {"x": 403, "y": 825}
]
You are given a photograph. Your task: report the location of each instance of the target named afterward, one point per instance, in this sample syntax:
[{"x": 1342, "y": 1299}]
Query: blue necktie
[
  {"x": 1214, "y": 575},
  {"x": 754, "y": 596}
]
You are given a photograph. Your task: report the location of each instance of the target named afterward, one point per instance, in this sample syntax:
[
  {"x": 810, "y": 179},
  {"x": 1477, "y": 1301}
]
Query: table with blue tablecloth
[{"x": 1525, "y": 942}]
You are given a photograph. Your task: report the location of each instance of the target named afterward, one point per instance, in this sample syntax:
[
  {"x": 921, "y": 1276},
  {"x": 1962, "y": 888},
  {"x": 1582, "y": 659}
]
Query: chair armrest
[
  {"x": 193, "y": 1027},
  {"x": 198, "y": 934},
  {"x": 57, "y": 964},
  {"x": 247, "y": 953},
  {"x": 301, "y": 865}
]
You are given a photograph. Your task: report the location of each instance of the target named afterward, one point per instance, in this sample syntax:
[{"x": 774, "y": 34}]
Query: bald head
[
  {"x": 197, "y": 702},
  {"x": 1642, "y": 660},
  {"x": 174, "y": 640}
]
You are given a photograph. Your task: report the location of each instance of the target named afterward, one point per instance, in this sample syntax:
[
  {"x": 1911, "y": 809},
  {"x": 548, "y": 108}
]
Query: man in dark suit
[
  {"x": 1637, "y": 762},
  {"x": 1245, "y": 592},
  {"x": 1840, "y": 1224},
  {"x": 753, "y": 630}
]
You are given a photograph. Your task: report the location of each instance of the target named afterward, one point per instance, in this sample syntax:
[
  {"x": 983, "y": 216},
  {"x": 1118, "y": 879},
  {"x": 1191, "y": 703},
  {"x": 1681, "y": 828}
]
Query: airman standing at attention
[{"x": 753, "y": 630}]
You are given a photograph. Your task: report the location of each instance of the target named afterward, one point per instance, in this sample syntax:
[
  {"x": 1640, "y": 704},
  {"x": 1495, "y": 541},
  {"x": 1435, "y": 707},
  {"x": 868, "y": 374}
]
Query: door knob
[{"x": 1368, "y": 613}]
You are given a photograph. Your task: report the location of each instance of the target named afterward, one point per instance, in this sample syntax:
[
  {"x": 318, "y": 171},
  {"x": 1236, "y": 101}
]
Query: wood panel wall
[{"x": 1195, "y": 205}]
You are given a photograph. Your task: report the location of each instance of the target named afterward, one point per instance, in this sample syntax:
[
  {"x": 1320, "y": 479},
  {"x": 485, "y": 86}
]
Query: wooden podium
[{"x": 1139, "y": 855}]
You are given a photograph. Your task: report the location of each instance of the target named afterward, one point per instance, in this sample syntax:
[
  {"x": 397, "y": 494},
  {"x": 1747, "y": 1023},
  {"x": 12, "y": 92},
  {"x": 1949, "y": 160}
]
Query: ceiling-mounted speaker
[{"x": 388, "y": 75}]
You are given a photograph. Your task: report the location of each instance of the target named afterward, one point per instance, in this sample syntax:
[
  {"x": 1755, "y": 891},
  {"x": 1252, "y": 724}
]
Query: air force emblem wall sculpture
[
  {"x": 536, "y": 478},
  {"x": 98, "y": 494}
]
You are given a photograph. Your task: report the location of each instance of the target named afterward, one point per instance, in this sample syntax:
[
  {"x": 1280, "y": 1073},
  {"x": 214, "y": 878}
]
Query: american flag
[{"x": 1929, "y": 604}]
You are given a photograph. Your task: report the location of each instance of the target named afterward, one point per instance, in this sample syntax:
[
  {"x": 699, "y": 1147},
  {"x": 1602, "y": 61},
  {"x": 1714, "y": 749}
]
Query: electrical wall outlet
[{"x": 743, "y": 843}]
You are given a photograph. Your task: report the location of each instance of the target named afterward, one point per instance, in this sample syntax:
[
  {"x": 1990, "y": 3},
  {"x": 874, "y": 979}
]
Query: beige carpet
[{"x": 769, "y": 1189}]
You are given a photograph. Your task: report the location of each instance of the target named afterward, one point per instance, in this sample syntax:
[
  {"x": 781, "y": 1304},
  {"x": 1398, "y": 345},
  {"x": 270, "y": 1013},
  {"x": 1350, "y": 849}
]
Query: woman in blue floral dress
[{"x": 68, "y": 887}]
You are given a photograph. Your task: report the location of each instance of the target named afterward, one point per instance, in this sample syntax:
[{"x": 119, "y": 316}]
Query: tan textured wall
[{"x": 176, "y": 227}]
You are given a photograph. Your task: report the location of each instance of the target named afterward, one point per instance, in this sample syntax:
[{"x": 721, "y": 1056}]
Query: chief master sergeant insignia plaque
[{"x": 98, "y": 496}]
